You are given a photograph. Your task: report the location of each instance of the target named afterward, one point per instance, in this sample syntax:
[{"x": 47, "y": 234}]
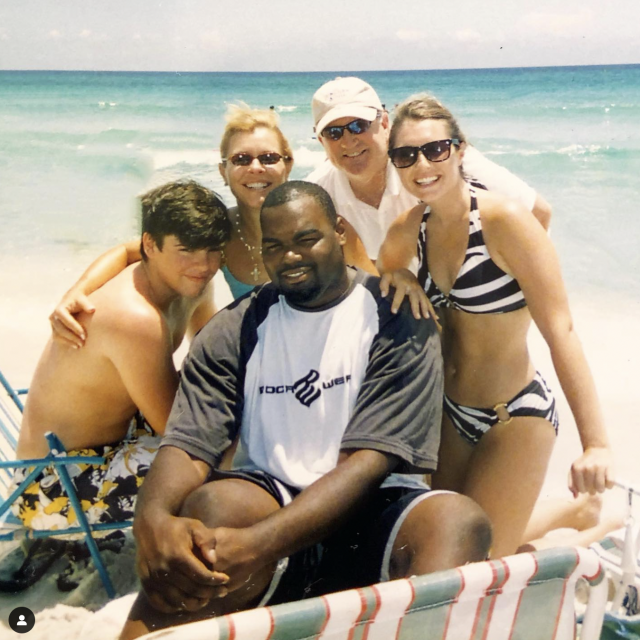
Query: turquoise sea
[{"x": 75, "y": 146}]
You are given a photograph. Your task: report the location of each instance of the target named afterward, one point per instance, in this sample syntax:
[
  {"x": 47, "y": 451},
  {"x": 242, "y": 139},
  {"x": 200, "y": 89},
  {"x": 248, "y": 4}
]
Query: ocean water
[{"x": 76, "y": 148}]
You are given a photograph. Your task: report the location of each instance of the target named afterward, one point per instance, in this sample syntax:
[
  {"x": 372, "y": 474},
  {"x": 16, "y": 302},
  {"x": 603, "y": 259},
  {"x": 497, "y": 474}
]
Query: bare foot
[{"x": 587, "y": 509}]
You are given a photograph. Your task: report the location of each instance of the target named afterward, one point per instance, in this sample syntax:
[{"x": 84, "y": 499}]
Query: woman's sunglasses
[
  {"x": 336, "y": 131},
  {"x": 245, "y": 159},
  {"x": 437, "y": 151}
]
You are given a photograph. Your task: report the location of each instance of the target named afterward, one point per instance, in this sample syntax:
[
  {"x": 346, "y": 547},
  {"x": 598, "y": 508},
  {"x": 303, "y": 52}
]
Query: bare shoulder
[
  {"x": 501, "y": 214},
  {"x": 510, "y": 231},
  {"x": 123, "y": 310}
]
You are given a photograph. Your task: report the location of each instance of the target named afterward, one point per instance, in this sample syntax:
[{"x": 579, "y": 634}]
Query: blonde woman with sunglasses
[
  {"x": 488, "y": 267},
  {"x": 255, "y": 158}
]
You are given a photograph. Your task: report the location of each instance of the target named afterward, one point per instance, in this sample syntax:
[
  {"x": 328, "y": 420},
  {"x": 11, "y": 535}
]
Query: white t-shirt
[
  {"x": 372, "y": 224},
  {"x": 301, "y": 385}
]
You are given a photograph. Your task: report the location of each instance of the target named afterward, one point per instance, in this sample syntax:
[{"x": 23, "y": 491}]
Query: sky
[{"x": 329, "y": 35}]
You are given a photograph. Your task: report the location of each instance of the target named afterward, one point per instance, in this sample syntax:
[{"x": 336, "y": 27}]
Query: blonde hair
[
  {"x": 241, "y": 118},
  {"x": 423, "y": 106}
]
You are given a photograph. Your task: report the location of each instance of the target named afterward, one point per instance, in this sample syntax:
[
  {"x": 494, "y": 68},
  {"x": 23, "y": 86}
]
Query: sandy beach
[{"x": 87, "y": 612}]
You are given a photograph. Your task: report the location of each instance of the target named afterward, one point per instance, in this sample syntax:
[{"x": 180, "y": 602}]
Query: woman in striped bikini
[{"x": 488, "y": 266}]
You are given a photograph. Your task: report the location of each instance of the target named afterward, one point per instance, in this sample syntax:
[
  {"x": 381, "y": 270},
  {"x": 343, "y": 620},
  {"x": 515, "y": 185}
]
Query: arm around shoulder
[{"x": 64, "y": 322}]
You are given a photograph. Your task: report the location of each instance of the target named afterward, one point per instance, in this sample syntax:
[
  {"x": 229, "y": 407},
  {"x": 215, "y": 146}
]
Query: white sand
[{"x": 609, "y": 335}]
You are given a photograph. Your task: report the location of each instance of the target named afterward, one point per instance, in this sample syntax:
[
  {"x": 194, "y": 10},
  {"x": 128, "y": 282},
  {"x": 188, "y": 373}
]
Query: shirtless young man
[{"x": 93, "y": 398}]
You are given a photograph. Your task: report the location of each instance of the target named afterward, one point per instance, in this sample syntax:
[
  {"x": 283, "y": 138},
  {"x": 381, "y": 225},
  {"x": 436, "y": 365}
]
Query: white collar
[{"x": 393, "y": 184}]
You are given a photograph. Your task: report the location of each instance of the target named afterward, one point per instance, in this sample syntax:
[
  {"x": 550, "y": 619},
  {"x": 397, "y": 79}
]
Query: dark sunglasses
[
  {"x": 336, "y": 131},
  {"x": 245, "y": 159},
  {"x": 437, "y": 151}
]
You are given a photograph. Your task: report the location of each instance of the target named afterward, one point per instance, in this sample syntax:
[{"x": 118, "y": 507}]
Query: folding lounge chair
[
  {"x": 529, "y": 596},
  {"x": 618, "y": 553},
  {"x": 10, "y": 527}
]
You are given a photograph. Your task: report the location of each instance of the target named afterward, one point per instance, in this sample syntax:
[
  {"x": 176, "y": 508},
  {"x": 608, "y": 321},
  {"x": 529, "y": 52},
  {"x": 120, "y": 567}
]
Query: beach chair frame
[
  {"x": 529, "y": 596},
  {"x": 10, "y": 527}
]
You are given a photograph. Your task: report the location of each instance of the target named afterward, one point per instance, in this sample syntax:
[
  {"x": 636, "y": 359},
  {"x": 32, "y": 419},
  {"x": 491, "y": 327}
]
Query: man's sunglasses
[
  {"x": 336, "y": 131},
  {"x": 437, "y": 151},
  {"x": 245, "y": 159}
]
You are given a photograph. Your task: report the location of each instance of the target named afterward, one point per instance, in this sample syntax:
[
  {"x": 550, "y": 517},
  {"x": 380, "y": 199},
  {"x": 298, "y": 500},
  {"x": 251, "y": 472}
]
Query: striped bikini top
[{"x": 481, "y": 286}]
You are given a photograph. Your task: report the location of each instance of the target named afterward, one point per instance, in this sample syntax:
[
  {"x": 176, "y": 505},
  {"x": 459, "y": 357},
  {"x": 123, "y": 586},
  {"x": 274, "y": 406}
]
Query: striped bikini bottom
[{"x": 535, "y": 400}]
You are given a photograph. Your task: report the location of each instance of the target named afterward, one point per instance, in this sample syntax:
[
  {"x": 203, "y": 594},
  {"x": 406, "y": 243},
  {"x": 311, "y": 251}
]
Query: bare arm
[
  {"x": 542, "y": 211},
  {"x": 519, "y": 242},
  {"x": 355, "y": 253},
  {"x": 169, "y": 565},
  {"x": 396, "y": 254},
  {"x": 500, "y": 180},
  {"x": 315, "y": 513},
  {"x": 399, "y": 246},
  {"x": 140, "y": 347},
  {"x": 64, "y": 325}
]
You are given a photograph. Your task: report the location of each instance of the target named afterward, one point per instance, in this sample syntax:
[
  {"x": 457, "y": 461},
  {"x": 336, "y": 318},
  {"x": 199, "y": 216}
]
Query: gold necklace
[{"x": 251, "y": 249}]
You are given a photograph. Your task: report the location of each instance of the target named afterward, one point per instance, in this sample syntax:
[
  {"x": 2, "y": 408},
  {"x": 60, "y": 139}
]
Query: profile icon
[{"x": 22, "y": 620}]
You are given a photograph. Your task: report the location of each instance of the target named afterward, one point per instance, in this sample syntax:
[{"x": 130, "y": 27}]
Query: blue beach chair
[{"x": 11, "y": 528}]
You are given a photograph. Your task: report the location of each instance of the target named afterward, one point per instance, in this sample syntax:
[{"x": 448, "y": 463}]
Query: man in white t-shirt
[{"x": 353, "y": 127}]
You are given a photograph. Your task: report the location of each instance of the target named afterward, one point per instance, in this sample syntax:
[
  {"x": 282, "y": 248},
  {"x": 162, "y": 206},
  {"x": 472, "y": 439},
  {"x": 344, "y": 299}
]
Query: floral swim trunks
[{"x": 107, "y": 492}]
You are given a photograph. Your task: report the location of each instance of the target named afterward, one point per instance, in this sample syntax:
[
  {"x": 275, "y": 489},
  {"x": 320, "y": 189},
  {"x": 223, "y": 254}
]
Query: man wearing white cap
[{"x": 353, "y": 127}]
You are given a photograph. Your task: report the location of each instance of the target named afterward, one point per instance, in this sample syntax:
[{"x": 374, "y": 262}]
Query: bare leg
[
  {"x": 504, "y": 476},
  {"x": 454, "y": 456},
  {"x": 441, "y": 532},
  {"x": 579, "y": 513},
  {"x": 230, "y": 503}
]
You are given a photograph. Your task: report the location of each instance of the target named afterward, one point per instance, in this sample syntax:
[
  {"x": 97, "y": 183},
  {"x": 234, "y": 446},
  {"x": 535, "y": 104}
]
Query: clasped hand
[
  {"x": 175, "y": 562},
  {"x": 183, "y": 564}
]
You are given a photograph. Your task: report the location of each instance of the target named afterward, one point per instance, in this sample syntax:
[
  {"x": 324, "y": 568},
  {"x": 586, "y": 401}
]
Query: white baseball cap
[{"x": 344, "y": 97}]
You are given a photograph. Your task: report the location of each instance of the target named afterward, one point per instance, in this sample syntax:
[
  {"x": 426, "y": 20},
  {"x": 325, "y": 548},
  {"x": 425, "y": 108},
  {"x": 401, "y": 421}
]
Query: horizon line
[{"x": 339, "y": 71}]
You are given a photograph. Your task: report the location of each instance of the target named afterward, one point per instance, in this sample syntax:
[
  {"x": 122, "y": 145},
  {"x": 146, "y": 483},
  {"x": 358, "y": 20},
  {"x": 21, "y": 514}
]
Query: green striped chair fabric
[{"x": 528, "y": 596}]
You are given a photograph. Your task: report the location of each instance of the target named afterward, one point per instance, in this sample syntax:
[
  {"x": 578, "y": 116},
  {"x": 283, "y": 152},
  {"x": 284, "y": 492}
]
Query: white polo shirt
[{"x": 372, "y": 224}]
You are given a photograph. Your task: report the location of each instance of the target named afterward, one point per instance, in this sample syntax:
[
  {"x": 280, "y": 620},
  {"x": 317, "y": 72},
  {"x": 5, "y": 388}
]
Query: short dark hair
[
  {"x": 185, "y": 209},
  {"x": 295, "y": 189}
]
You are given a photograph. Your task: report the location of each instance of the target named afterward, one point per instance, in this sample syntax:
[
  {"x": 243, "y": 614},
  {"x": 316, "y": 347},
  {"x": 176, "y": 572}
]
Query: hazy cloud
[
  {"x": 468, "y": 35},
  {"x": 559, "y": 24},
  {"x": 211, "y": 39},
  {"x": 55, "y": 34},
  {"x": 409, "y": 35}
]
